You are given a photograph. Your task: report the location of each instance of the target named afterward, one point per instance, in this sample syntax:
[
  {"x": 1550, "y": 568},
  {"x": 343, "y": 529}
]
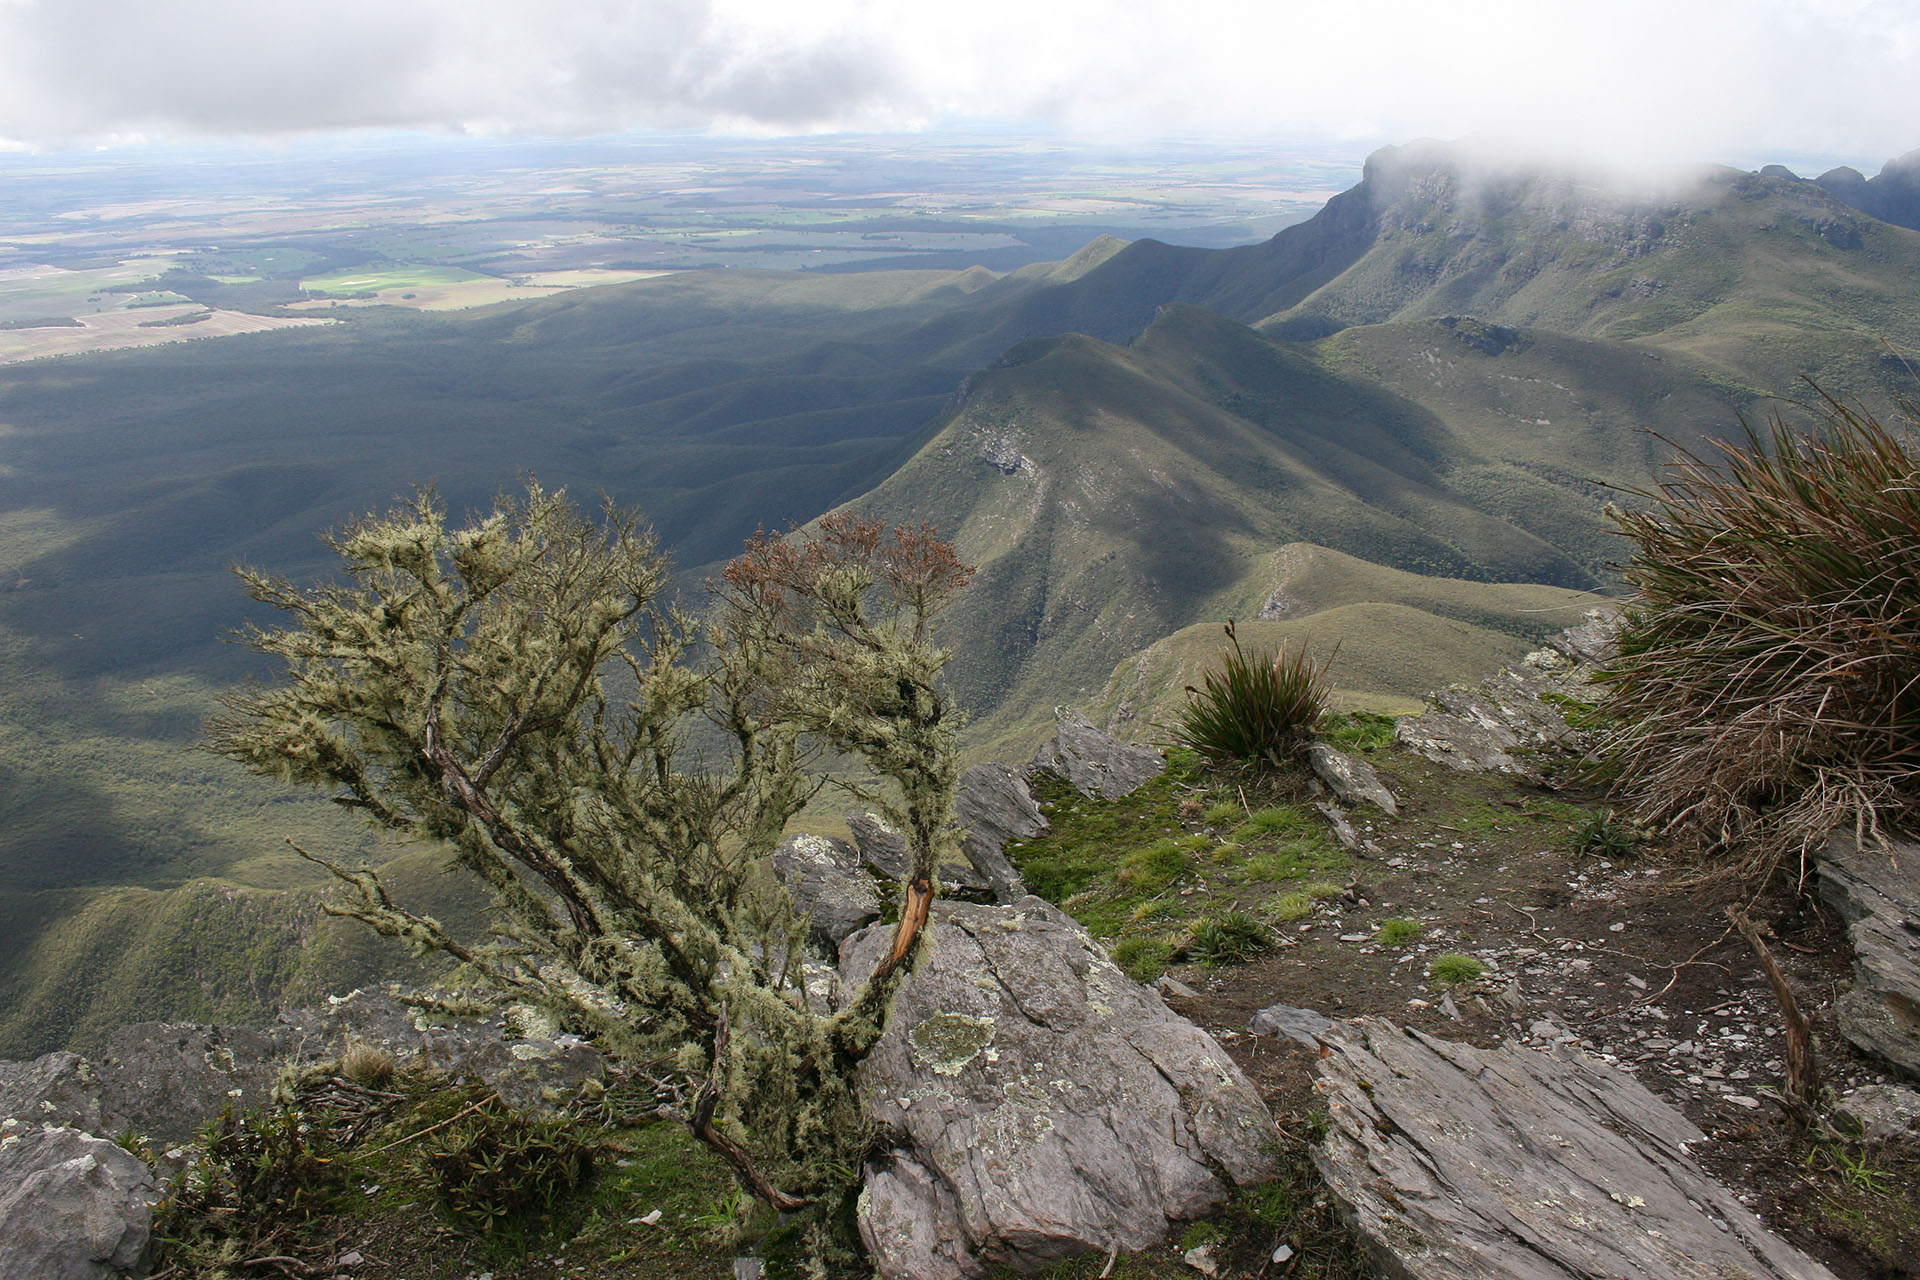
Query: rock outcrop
[
  {"x": 1514, "y": 722},
  {"x": 993, "y": 807},
  {"x": 828, "y": 885},
  {"x": 72, "y": 1206},
  {"x": 1097, "y": 765},
  {"x": 885, "y": 850},
  {"x": 165, "y": 1080},
  {"x": 1042, "y": 1103},
  {"x": 1457, "y": 1163},
  {"x": 1878, "y": 894}
]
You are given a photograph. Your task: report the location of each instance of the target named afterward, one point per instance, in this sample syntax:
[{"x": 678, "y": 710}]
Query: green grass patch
[
  {"x": 1289, "y": 907},
  {"x": 1455, "y": 968},
  {"x": 1398, "y": 931},
  {"x": 1360, "y": 732},
  {"x": 1142, "y": 959}
]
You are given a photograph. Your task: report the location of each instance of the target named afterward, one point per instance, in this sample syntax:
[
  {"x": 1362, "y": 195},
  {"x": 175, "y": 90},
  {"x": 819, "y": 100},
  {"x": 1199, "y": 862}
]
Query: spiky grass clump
[
  {"x": 1228, "y": 938},
  {"x": 1768, "y": 680},
  {"x": 1257, "y": 712}
]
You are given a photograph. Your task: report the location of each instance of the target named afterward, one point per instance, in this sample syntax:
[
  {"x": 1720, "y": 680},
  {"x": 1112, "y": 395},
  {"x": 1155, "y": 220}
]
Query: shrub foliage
[
  {"x": 1768, "y": 677},
  {"x": 520, "y": 691},
  {"x": 1256, "y": 712}
]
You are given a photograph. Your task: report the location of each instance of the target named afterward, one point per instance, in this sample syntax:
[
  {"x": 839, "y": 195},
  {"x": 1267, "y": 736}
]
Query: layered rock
[
  {"x": 1455, "y": 1163},
  {"x": 1041, "y": 1103},
  {"x": 1515, "y": 722},
  {"x": 1877, "y": 892},
  {"x": 1095, "y": 764}
]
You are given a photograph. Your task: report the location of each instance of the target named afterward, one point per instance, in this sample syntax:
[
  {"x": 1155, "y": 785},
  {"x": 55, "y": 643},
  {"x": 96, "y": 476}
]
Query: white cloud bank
[{"x": 1680, "y": 79}]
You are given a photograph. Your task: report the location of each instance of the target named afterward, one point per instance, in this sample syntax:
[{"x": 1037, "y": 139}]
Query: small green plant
[
  {"x": 1257, "y": 712},
  {"x": 1292, "y": 906},
  {"x": 1154, "y": 867},
  {"x": 1228, "y": 938},
  {"x": 1321, "y": 890},
  {"x": 1223, "y": 812},
  {"x": 1398, "y": 931},
  {"x": 1455, "y": 968},
  {"x": 256, "y": 1177},
  {"x": 1602, "y": 835},
  {"x": 1853, "y": 1168},
  {"x": 1142, "y": 959},
  {"x": 495, "y": 1171}
]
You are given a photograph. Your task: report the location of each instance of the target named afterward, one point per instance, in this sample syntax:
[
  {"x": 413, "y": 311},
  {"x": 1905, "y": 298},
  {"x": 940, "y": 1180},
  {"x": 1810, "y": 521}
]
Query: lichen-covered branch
[{"x": 454, "y": 685}]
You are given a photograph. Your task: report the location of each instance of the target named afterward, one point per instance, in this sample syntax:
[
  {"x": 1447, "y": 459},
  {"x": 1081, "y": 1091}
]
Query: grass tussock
[
  {"x": 1767, "y": 688},
  {"x": 1257, "y": 712}
]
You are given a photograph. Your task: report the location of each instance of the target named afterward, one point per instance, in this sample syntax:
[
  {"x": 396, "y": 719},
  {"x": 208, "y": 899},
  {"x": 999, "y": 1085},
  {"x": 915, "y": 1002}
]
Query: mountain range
[{"x": 1391, "y": 427}]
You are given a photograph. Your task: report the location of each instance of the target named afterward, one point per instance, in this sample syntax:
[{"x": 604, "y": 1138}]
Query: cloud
[{"x": 1676, "y": 78}]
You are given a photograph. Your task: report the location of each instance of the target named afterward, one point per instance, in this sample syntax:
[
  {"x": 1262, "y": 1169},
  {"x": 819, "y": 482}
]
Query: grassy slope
[
  {"x": 84, "y": 961},
  {"x": 1392, "y": 636},
  {"x": 1112, "y": 496}
]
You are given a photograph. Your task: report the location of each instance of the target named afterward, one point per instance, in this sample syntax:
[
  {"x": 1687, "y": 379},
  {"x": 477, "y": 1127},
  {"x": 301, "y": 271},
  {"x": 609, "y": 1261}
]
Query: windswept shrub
[
  {"x": 1257, "y": 712},
  {"x": 1767, "y": 686}
]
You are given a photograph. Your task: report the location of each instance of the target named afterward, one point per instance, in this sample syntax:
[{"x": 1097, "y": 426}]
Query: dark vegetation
[
  {"x": 1256, "y": 712},
  {"x": 1765, "y": 691}
]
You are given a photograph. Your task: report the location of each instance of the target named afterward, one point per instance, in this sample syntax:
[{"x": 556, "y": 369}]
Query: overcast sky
[{"x": 1731, "y": 80}]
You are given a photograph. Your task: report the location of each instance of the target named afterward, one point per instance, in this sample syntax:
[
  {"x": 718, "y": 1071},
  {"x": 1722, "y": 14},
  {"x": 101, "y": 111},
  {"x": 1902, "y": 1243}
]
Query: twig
[
  {"x": 430, "y": 1128},
  {"x": 1688, "y": 962},
  {"x": 1113, "y": 1251},
  {"x": 1803, "y": 1073}
]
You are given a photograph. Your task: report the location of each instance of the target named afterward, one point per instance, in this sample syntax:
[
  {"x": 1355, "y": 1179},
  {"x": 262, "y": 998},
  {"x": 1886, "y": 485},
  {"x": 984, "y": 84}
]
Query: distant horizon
[{"x": 343, "y": 144}]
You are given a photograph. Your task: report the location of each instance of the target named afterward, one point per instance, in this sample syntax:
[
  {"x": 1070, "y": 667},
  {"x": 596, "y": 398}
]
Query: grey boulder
[
  {"x": 824, "y": 878},
  {"x": 1095, "y": 764},
  {"x": 885, "y": 850},
  {"x": 993, "y": 807},
  {"x": 73, "y": 1206},
  {"x": 1041, "y": 1103}
]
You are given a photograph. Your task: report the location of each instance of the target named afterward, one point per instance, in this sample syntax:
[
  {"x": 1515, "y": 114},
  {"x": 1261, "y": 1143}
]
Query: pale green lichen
[{"x": 947, "y": 1042}]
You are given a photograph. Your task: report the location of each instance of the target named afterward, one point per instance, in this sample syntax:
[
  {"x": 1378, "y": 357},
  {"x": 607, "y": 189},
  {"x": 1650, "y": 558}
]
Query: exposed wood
[
  {"x": 737, "y": 1157},
  {"x": 1457, "y": 1163},
  {"x": 1803, "y": 1072}
]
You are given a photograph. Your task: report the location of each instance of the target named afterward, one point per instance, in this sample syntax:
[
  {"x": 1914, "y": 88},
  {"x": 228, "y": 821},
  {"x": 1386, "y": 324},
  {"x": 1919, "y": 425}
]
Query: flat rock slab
[
  {"x": 1097, "y": 765},
  {"x": 1042, "y": 1104},
  {"x": 1350, "y": 778},
  {"x": 1878, "y": 894},
  {"x": 1457, "y": 1163}
]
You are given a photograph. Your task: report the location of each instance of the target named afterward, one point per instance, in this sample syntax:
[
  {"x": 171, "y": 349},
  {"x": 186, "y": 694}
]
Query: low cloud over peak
[{"x": 1695, "y": 80}]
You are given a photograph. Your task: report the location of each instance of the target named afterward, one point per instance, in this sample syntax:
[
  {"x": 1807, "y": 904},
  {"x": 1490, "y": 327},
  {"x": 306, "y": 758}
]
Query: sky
[{"x": 1735, "y": 81}]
